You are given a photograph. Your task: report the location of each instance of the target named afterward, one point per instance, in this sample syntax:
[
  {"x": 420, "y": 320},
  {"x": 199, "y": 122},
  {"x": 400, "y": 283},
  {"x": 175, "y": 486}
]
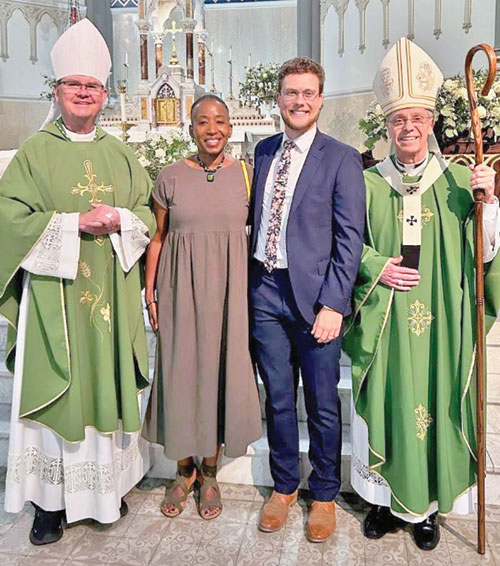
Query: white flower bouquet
[
  {"x": 155, "y": 153},
  {"x": 260, "y": 85}
]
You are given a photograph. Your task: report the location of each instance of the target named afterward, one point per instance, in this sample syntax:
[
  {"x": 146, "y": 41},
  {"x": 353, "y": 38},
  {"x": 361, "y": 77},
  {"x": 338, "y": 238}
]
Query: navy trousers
[{"x": 280, "y": 338}]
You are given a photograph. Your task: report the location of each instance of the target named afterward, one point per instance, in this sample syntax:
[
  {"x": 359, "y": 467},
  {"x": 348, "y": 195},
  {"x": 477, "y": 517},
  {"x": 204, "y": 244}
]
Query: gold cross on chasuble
[{"x": 92, "y": 187}]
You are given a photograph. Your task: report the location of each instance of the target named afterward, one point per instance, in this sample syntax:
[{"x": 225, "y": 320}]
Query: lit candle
[
  {"x": 249, "y": 60},
  {"x": 230, "y": 52},
  {"x": 126, "y": 58}
]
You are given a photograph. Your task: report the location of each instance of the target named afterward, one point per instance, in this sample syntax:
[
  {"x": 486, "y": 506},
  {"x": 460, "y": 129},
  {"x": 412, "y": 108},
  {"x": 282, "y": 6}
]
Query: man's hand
[
  {"x": 102, "y": 219},
  {"x": 327, "y": 325},
  {"x": 399, "y": 278},
  {"x": 483, "y": 177}
]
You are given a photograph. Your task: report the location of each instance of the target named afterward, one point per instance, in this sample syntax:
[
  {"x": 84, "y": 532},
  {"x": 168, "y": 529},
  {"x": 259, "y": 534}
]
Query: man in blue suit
[{"x": 307, "y": 216}]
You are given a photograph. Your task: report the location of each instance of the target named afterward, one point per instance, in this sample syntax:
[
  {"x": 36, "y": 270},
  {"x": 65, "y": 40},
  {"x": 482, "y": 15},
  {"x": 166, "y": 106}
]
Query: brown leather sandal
[
  {"x": 183, "y": 474},
  {"x": 207, "y": 479}
]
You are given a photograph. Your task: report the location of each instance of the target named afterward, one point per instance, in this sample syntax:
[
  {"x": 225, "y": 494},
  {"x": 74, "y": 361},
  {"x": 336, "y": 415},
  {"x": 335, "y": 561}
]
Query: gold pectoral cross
[{"x": 93, "y": 188}]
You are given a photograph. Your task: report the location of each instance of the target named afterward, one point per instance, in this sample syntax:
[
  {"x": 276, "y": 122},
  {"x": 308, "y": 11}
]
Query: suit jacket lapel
[
  {"x": 308, "y": 170},
  {"x": 262, "y": 174}
]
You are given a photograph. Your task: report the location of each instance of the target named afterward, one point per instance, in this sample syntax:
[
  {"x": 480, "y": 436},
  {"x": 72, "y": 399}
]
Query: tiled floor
[{"x": 144, "y": 537}]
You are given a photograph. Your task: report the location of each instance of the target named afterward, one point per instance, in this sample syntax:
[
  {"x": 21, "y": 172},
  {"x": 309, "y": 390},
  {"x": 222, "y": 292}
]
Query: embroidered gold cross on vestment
[
  {"x": 423, "y": 421},
  {"x": 419, "y": 318},
  {"x": 92, "y": 187}
]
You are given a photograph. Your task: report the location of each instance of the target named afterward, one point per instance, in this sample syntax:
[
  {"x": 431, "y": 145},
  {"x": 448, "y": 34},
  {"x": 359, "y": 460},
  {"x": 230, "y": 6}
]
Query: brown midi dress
[{"x": 204, "y": 392}]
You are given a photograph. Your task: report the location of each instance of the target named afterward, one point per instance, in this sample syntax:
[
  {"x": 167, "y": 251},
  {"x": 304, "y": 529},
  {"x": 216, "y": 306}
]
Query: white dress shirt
[{"x": 298, "y": 156}]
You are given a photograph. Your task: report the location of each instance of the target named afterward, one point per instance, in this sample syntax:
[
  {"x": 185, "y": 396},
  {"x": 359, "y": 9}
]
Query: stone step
[
  {"x": 253, "y": 468},
  {"x": 5, "y": 383},
  {"x": 4, "y": 432}
]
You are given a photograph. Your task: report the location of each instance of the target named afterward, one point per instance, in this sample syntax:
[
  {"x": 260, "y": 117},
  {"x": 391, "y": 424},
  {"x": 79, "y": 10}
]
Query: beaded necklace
[{"x": 210, "y": 172}]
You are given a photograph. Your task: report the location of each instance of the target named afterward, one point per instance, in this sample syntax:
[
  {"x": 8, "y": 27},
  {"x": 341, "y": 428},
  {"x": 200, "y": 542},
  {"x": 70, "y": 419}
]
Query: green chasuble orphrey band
[
  {"x": 85, "y": 355},
  {"x": 413, "y": 352}
]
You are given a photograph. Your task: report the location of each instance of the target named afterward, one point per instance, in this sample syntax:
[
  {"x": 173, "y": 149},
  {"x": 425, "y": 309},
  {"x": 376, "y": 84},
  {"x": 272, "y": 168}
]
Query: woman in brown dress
[{"x": 204, "y": 393}]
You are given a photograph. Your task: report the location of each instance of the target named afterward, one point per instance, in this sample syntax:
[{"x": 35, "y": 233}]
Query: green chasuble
[
  {"x": 413, "y": 352},
  {"x": 85, "y": 355}
]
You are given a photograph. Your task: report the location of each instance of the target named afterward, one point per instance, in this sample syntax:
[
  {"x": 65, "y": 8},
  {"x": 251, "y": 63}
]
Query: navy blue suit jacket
[{"x": 324, "y": 235}]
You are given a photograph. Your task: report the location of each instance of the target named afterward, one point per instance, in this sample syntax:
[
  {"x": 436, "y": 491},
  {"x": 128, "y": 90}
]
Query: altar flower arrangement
[
  {"x": 452, "y": 116},
  {"x": 159, "y": 151},
  {"x": 260, "y": 85},
  {"x": 49, "y": 82}
]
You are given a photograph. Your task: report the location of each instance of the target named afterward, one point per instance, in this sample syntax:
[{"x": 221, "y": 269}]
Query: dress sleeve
[
  {"x": 57, "y": 251},
  {"x": 163, "y": 190},
  {"x": 491, "y": 230}
]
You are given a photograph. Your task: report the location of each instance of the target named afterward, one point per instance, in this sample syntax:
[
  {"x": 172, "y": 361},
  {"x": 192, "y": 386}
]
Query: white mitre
[
  {"x": 407, "y": 78},
  {"x": 81, "y": 50}
]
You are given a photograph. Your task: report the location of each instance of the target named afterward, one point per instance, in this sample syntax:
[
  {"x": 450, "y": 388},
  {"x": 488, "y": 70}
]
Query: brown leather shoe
[
  {"x": 321, "y": 521},
  {"x": 275, "y": 511}
]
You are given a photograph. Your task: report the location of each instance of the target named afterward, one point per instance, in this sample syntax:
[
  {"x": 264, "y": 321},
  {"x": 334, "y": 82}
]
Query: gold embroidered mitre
[{"x": 407, "y": 78}]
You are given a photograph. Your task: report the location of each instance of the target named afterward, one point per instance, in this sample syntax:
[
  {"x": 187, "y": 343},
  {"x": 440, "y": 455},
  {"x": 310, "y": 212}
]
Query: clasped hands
[{"x": 101, "y": 219}]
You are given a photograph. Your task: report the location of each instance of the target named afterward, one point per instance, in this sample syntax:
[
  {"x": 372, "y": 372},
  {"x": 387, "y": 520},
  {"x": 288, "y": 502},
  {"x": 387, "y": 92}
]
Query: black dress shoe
[
  {"x": 380, "y": 521},
  {"x": 123, "y": 508},
  {"x": 47, "y": 526},
  {"x": 427, "y": 533}
]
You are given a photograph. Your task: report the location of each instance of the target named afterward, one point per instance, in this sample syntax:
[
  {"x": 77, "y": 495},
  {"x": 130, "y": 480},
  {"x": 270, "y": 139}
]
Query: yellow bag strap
[{"x": 247, "y": 178}]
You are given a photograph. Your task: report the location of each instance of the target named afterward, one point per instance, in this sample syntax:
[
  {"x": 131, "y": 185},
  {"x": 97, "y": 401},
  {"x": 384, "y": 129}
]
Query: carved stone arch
[
  {"x": 166, "y": 106},
  {"x": 165, "y": 91},
  {"x": 37, "y": 19},
  {"x": 46, "y": 12},
  {"x": 9, "y": 11},
  {"x": 32, "y": 14}
]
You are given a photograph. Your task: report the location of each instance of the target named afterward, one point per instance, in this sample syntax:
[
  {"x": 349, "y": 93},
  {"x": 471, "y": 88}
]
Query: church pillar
[
  {"x": 497, "y": 30},
  {"x": 158, "y": 39},
  {"x": 202, "y": 38},
  {"x": 143, "y": 37},
  {"x": 189, "y": 29},
  {"x": 99, "y": 13},
  {"x": 308, "y": 29},
  {"x": 143, "y": 90}
]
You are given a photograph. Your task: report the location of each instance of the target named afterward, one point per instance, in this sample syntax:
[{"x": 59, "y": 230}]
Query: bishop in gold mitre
[{"x": 411, "y": 338}]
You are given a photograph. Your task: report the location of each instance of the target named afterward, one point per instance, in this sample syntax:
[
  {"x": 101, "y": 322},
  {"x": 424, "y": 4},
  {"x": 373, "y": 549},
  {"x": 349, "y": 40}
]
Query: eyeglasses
[
  {"x": 75, "y": 86},
  {"x": 292, "y": 94},
  {"x": 417, "y": 120}
]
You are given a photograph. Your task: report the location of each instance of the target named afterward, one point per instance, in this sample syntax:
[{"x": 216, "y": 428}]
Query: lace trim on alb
[
  {"x": 81, "y": 476},
  {"x": 366, "y": 474},
  {"x": 137, "y": 236},
  {"x": 47, "y": 253}
]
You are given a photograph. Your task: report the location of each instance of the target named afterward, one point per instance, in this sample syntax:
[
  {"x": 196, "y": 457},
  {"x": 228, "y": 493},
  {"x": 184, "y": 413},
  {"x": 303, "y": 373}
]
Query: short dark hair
[
  {"x": 299, "y": 65},
  {"x": 204, "y": 98}
]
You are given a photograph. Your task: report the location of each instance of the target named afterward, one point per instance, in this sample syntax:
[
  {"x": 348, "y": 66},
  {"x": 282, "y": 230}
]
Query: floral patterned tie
[{"x": 276, "y": 212}]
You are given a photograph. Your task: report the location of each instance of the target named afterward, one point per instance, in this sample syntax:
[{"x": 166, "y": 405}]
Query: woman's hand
[{"x": 153, "y": 315}]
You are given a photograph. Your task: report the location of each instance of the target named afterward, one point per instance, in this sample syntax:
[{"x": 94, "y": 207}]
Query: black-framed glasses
[{"x": 75, "y": 86}]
